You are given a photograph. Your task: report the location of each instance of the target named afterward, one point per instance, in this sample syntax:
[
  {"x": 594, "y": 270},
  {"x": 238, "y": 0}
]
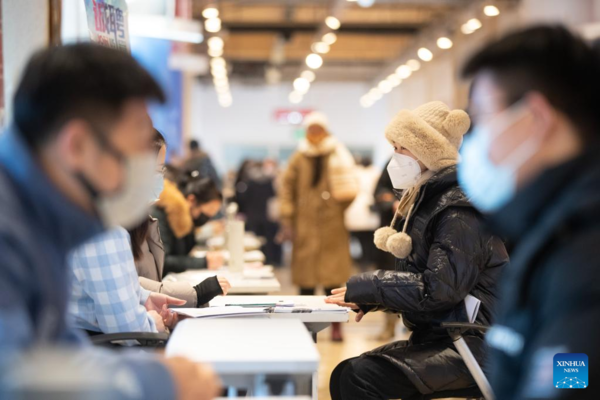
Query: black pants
[
  {"x": 370, "y": 378},
  {"x": 311, "y": 291}
]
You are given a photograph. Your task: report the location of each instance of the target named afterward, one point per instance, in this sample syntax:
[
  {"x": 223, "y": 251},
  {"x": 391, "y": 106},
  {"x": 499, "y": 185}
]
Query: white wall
[
  {"x": 250, "y": 120},
  {"x": 25, "y": 29}
]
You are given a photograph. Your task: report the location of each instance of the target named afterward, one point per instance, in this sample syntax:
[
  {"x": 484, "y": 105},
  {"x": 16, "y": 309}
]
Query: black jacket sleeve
[
  {"x": 456, "y": 255},
  {"x": 208, "y": 290}
]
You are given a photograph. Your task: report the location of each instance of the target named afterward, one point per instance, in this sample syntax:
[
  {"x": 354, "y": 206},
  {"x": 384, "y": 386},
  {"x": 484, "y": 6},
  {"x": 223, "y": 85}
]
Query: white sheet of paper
[
  {"x": 220, "y": 312},
  {"x": 472, "y": 304}
]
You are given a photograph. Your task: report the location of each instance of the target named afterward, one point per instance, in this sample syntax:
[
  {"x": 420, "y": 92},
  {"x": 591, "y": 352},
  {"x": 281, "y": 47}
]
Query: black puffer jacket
[{"x": 452, "y": 256}]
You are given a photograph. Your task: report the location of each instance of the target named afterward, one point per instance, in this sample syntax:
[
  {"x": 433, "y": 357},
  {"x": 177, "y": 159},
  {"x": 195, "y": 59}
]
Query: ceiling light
[
  {"x": 212, "y": 25},
  {"x": 474, "y": 24},
  {"x": 222, "y": 89},
  {"x": 425, "y": 54},
  {"x": 210, "y": 12},
  {"x": 444, "y": 43},
  {"x": 295, "y": 97},
  {"x": 301, "y": 85},
  {"x": 394, "y": 80},
  {"x": 366, "y": 3},
  {"x": 219, "y": 73},
  {"x": 314, "y": 61},
  {"x": 215, "y": 42},
  {"x": 366, "y": 102},
  {"x": 403, "y": 71},
  {"x": 333, "y": 23},
  {"x": 329, "y": 38},
  {"x": 320, "y": 47},
  {"x": 215, "y": 52},
  {"x": 375, "y": 93},
  {"x": 226, "y": 102},
  {"x": 221, "y": 81},
  {"x": 218, "y": 62},
  {"x": 385, "y": 86},
  {"x": 466, "y": 29},
  {"x": 491, "y": 11},
  {"x": 413, "y": 64},
  {"x": 308, "y": 75}
]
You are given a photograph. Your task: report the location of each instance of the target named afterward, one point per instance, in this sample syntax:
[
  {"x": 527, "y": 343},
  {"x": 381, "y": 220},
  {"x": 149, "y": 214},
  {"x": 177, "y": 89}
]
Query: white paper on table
[
  {"x": 299, "y": 308},
  {"x": 472, "y": 304},
  {"x": 221, "y": 312}
]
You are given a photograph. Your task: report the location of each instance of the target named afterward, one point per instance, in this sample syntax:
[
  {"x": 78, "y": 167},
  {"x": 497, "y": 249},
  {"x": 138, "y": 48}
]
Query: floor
[{"x": 358, "y": 338}]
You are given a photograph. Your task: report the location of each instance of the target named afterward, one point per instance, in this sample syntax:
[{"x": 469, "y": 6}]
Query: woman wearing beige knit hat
[{"x": 443, "y": 255}]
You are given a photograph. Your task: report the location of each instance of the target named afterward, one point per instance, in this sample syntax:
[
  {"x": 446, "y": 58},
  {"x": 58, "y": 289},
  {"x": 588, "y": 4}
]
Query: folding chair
[{"x": 483, "y": 388}]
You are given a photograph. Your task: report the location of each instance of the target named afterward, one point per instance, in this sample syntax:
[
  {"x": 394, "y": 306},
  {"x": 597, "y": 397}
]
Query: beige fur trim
[
  {"x": 428, "y": 145},
  {"x": 177, "y": 209},
  {"x": 400, "y": 245},
  {"x": 381, "y": 237}
]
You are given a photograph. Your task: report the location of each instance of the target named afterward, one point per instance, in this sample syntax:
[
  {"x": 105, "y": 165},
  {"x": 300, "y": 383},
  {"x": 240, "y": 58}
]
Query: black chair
[
  {"x": 145, "y": 339},
  {"x": 483, "y": 390}
]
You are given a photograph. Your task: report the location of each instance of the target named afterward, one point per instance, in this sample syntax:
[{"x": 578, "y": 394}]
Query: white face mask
[
  {"x": 404, "y": 171},
  {"x": 129, "y": 206},
  {"x": 158, "y": 186}
]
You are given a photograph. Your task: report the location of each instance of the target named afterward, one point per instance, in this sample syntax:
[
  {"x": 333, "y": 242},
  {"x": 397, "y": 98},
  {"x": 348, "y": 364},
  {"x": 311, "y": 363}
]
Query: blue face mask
[{"x": 489, "y": 186}]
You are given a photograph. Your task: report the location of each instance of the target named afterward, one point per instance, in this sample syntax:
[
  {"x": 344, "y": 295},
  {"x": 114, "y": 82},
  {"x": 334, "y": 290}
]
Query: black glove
[{"x": 208, "y": 290}]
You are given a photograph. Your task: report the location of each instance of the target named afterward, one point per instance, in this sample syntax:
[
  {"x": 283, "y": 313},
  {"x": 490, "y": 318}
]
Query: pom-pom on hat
[{"x": 432, "y": 132}]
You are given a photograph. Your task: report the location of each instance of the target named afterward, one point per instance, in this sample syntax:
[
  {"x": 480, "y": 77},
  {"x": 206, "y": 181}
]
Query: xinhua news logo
[{"x": 571, "y": 371}]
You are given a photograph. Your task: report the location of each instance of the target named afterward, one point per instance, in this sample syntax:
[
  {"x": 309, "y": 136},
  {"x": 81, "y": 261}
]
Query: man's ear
[
  {"x": 74, "y": 144},
  {"x": 545, "y": 118}
]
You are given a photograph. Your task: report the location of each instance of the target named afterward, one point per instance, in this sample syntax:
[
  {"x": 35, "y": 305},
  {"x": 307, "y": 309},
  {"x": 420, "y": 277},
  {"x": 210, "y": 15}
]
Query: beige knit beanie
[{"x": 432, "y": 132}]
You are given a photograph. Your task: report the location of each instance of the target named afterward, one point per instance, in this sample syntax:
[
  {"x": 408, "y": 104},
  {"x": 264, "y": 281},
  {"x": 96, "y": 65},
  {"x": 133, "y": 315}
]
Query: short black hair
[
  {"x": 86, "y": 81},
  {"x": 194, "y": 144},
  {"x": 553, "y": 61},
  {"x": 204, "y": 190}
]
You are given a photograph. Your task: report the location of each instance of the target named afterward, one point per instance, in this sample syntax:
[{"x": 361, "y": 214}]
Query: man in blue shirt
[{"x": 80, "y": 129}]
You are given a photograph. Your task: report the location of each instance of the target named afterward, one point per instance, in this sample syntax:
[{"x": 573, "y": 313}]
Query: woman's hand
[
  {"x": 170, "y": 318},
  {"x": 338, "y": 297},
  {"x": 225, "y": 285}
]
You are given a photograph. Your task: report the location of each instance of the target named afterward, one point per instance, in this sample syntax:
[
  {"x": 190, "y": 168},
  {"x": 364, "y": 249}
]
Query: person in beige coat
[
  {"x": 318, "y": 186},
  {"x": 149, "y": 253}
]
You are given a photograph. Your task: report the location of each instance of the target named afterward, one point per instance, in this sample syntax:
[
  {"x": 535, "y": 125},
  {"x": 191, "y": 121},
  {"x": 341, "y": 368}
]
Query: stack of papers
[{"x": 222, "y": 312}]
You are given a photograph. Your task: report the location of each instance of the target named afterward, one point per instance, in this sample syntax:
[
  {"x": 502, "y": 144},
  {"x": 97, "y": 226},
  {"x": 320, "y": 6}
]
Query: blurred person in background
[
  {"x": 256, "y": 191},
  {"x": 81, "y": 133},
  {"x": 361, "y": 219},
  {"x": 149, "y": 254},
  {"x": 178, "y": 214},
  {"x": 532, "y": 165},
  {"x": 199, "y": 160},
  {"x": 444, "y": 254},
  {"x": 318, "y": 186}
]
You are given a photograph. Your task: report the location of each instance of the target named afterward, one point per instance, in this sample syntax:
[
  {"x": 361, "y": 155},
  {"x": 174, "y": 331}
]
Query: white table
[
  {"x": 314, "y": 321},
  {"x": 251, "y": 281},
  {"x": 251, "y": 353}
]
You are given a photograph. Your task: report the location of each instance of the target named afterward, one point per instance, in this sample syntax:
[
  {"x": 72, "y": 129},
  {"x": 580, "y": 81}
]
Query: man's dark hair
[
  {"x": 549, "y": 60},
  {"x": 204, "y": 190},
  {"x": 80, "y": 81},
  {"x": 194, "y": 145}
]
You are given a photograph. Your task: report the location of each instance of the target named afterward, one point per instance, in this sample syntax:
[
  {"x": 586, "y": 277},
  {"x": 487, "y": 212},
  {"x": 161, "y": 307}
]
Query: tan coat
[
  {"x": 150, "y": 269},
  {"x": 321, "y": 252}
]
